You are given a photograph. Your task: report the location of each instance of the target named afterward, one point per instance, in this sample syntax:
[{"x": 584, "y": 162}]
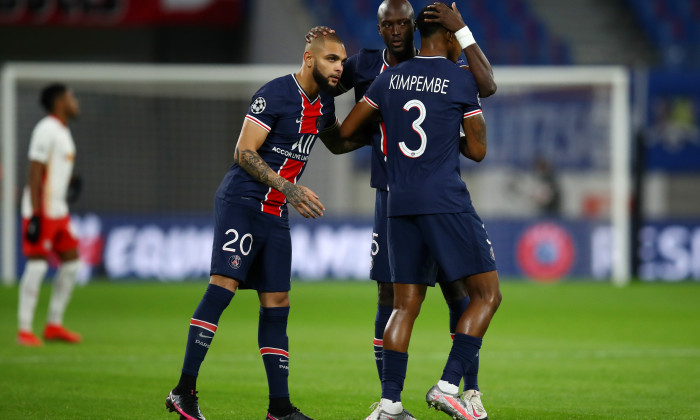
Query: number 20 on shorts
[{"x": 229, "y": 246}]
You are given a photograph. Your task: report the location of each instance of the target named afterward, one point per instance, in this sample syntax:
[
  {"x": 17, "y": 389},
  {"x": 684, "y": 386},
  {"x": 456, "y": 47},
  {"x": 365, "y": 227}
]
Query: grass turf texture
[{"x": 562, "y": 351}]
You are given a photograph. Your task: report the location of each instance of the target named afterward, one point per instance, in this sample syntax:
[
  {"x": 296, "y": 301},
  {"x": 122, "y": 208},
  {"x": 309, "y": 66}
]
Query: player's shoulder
[
  {"x": 279, "y": 85},
  {"x": 276, "y": 91},
  {"x": 49, "y": 125},
  {"x": 367, "y": 57}
]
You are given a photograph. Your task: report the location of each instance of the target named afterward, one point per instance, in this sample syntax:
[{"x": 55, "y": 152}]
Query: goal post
[
  {"x": 241, "y": 81},
  {"x": 618, "y": 79}
]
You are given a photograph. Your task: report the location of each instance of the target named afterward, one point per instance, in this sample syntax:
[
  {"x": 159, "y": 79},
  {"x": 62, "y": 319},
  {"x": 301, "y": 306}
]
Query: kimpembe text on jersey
[{"x": 419, "y": 83}]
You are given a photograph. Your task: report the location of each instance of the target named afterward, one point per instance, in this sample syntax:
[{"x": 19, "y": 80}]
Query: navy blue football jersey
[
  {"x": 359, "y": 72},
  {"x": 293, "y": 122},
  {"x": 423, "y": 102}
]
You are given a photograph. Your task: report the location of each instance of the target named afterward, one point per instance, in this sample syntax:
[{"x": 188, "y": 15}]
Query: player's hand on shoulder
[
  {"x": 449, "y": 17},
  {"x": 316, "y": 31},
  {"x": 304, "y": 200}
]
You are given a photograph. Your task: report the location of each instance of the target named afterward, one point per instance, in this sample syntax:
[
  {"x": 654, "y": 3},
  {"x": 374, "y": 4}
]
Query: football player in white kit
[{"x": 46, "y": 227}]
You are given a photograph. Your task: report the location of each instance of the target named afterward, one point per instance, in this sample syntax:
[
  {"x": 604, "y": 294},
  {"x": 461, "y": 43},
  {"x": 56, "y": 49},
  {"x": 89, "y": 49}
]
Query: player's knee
[
  {"x": 385, "y": 294},
  {"x": 409, "y": 306},
  {"x": 454, "y": 291},
  {"x": 494, "y": 299}
]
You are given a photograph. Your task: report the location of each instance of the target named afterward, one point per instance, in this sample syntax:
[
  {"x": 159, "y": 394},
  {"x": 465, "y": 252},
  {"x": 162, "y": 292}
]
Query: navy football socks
[
  {"x": 203, "y": 326},
  {"x": 464, "y": 349},
  {"x": 274, "y": 348},
  {"x": 393, "y": 374},
  {"x": 471, "y": 376},
  {"x": 383, "y": 315}
]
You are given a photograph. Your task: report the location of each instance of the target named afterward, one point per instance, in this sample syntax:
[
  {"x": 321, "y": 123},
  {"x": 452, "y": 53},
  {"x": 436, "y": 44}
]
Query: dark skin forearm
[
  {"x": 451, "y": 19},
  {"x": 338, "y": 145},
  {"x": 481, "y": 69},
  {"x": 473, "y": 144},
  {"x": 36, "y": 174}
]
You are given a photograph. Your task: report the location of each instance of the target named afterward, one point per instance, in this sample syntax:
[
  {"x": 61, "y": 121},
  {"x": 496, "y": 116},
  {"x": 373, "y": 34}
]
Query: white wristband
[{"x": 464, "y": 37}]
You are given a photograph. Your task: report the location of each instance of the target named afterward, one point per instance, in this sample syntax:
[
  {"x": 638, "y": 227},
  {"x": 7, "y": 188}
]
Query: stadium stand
[
  {"x": 506, "y": 30},
  {"x": 673, "y": 27}
]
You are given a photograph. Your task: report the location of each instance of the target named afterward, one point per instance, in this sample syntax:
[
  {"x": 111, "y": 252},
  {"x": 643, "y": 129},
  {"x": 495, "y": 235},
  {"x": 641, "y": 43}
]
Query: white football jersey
[{"x": 52, "y": 145}]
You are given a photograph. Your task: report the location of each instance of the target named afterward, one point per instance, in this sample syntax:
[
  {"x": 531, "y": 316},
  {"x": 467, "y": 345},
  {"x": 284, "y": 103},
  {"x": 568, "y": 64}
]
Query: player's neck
[
  {"x": 432, "y": 50},
  {"x": 393, "y": 59},
  {"x": 60, "y": 117},
  {"x": 306, "y": 80}
]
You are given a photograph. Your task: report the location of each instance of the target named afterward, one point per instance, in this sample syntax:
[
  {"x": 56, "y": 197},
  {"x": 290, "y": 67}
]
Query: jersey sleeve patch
[{"x": 258, "y": 105}]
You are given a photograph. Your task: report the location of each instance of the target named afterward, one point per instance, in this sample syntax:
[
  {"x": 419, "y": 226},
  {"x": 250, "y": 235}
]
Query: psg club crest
[
  {"x": 258, "y": 105},
  {"x": 234, "y": 261},
  {"x": 545, "y": 252}
]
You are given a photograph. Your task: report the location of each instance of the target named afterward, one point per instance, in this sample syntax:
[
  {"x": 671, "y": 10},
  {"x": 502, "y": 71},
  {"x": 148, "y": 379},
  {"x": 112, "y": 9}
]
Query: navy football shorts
[
  {"x": 380, "y": 270},
  {"x": 379, "y": 259},
  {"x": 252, "y": 247},
  {"x": 457, "y": 241}
]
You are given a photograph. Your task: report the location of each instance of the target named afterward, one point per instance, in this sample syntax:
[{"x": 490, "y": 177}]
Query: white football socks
[
  {"x": 29, "y": 288},
  {"x": 391, "y": 407},
  {"x": 62, "y": 290},
  {"x": 447, "y": 387}
]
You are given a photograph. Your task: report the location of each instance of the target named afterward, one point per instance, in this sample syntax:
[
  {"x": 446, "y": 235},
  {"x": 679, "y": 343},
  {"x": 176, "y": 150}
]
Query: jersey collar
[{"x": 302, "y": 90}]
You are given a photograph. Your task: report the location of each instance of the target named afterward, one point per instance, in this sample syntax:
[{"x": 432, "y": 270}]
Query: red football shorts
[{"x": 55, "y": 235}]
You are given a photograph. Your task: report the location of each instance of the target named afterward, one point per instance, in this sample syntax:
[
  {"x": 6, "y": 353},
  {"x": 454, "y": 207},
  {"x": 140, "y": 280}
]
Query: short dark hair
[
  {"x": 50, "y": 93},
  {"x": 427, "y": 29}
]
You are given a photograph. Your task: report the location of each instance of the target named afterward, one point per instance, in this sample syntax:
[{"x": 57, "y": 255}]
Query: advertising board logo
[{"x": 545, "y": 252}]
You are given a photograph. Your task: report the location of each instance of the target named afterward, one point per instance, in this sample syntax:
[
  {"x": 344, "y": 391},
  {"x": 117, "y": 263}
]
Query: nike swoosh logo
[
  {"x": 488, "y": 242},
  {"x": 205, "y": 336},
  {"x": 474, "y": 411}
]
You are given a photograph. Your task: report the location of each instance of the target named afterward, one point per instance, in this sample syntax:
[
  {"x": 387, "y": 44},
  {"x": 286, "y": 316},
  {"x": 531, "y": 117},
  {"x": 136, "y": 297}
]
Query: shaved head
[{"x": 402, "y": 7}]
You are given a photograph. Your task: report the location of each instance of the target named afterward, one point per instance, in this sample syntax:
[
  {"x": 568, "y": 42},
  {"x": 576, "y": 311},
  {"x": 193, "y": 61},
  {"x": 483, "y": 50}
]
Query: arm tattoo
[
  {"x": 294, "y": 194},
  {"x": 252, "y": 163},
  {"x": 260, "y": 171}
]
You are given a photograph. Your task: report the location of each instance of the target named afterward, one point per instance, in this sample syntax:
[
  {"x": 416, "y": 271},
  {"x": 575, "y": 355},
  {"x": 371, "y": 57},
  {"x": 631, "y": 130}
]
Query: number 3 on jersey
[
  {"x": 415, "y": 103},
  {"x": 228, "y": 246}
]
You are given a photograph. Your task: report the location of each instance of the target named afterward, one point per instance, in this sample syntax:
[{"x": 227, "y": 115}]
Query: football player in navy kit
[
  {"x": 423, "y": 102},
  {"x": 252, "y": 244},
  {"x": 396, "y": 26}
]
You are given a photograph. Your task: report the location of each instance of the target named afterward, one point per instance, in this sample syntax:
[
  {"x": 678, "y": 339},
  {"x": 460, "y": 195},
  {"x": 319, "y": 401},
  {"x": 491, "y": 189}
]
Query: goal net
[{"x": 153, "y": 142}]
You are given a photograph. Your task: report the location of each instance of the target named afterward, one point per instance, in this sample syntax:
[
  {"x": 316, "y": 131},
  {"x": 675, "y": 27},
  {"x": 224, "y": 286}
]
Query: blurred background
[{"x": 151, "y": 153}]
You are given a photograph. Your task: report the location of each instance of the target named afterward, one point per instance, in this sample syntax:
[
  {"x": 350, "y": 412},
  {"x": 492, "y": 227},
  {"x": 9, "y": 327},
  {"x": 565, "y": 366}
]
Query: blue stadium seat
[
  {"x": 673, "y": 26},
  {"x": 506, "y": 30}
]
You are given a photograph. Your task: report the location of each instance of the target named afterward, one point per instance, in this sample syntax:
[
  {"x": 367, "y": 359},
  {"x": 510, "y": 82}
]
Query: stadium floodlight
[{"x": 191, "y": 92}]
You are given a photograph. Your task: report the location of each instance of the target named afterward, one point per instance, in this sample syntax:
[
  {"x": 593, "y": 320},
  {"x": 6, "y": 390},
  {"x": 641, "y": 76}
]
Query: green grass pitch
[{"x": 574, "y": 350}]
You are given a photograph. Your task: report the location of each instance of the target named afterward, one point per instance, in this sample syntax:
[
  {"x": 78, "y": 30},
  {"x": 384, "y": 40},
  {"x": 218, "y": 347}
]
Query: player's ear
[{"x": 308, "y": 59}]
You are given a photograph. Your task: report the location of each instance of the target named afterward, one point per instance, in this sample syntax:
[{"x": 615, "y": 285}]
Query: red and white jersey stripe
[{"x": 274, "y": 200}]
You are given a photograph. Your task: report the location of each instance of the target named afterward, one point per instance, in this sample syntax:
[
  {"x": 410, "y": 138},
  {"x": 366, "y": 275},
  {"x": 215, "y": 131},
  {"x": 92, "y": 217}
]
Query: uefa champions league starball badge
[{"x": 258, "y": 105}]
